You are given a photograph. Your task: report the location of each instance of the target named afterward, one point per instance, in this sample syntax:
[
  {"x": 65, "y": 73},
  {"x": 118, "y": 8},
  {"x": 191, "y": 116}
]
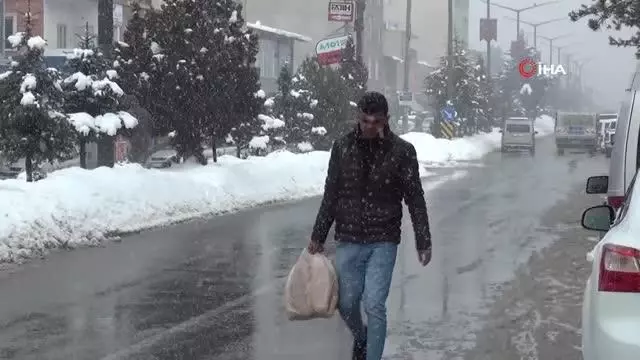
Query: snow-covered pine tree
[
  {"x": 353, "y": 72},
  {"x": 333, "y": 110},
  {"x": 466, "y": 87},
  {"x": 294, "y": 104},
  {"x": 239, "y": 78},
  {"x": 34, "y": 126},
  {"x": 175, "y": 40},
  {"x": 137, "y": 74},
  {"x": 92, "y": 97},
  {"x": 486, "y": 97}
]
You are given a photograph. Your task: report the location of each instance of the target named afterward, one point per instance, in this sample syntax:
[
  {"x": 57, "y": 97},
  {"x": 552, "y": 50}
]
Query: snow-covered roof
[
  {"x": 395, "y": 58},
  {"x": 258, "y": 26},
  {"x": 424, "y": 63}
]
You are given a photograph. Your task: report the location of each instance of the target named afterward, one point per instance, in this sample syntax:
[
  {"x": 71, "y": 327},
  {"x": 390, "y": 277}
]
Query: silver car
[
  {"x": 518, "y": 133},
  {"x": 162, "y": 159}
]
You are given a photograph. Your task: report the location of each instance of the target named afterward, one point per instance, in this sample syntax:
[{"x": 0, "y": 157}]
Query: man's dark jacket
[{"x": 366, "y": 183}]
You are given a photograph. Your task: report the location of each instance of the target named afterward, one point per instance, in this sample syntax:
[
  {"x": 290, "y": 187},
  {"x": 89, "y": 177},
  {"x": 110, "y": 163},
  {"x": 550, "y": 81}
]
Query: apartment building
[{"x": 311, "y": 19}]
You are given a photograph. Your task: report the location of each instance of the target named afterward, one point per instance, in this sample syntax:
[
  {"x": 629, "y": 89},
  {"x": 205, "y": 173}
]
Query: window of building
[
  {"x": 268, "y": 58},
  {"x": 62, "y": 36},
  {"x": 10, "y": 28}
]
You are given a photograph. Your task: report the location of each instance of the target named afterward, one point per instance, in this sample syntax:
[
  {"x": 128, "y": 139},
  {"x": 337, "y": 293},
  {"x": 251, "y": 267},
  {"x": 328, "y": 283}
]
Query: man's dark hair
[{"x": 373, "y": 102}]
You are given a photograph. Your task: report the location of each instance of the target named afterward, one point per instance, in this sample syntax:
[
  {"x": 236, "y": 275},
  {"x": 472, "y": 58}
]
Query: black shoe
[{"x": 360, "y": 349}]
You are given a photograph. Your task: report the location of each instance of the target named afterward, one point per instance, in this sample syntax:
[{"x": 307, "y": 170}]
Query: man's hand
[
  {"x": 315, "y": 247},
  {"x": 424, "y": 256}
]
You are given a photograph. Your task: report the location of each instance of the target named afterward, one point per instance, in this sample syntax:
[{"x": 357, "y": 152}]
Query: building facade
[{"x": 312, "y": 21}]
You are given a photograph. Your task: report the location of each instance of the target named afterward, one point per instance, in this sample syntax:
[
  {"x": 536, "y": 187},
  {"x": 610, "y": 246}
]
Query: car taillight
[
  {"x": 561, "y": 130},
  {"x": 615, "y": 201},
  {"x": 619, "y": 269}
]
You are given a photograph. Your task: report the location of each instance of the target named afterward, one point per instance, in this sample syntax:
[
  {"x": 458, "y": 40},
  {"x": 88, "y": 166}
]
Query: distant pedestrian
[{"x": 371, "y": 170}]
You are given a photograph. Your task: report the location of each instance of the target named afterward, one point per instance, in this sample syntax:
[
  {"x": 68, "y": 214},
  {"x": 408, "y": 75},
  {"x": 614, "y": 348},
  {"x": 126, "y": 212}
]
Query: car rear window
[{"x": 518, "y": 128}]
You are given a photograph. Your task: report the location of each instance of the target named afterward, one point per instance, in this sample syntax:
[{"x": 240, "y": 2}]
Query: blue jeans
[{"x": 364, "y": 273}]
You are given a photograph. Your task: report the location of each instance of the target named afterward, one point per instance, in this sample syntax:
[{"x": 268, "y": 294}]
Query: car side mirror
[
  {"x": 598, "y": 218},
  {"x": 597, "y": 185},
  {"x": 500, "y": 131},
  {"x": 535, "y": 132}
]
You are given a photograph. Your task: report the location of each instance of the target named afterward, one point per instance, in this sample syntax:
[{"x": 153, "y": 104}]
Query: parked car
[
  {"x": 162, "y": 159},
  {"x": 518, "y": 133},
  {"x": 606, "y": 130},
  {"x": 610, "y": 312}
]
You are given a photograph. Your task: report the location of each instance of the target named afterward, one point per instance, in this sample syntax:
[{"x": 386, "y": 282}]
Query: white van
[{"x": 518, "y": 133}]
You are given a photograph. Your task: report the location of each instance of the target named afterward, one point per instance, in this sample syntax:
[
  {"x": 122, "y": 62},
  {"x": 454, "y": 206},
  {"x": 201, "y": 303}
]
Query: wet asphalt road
[{"x": 213, "y": 289}]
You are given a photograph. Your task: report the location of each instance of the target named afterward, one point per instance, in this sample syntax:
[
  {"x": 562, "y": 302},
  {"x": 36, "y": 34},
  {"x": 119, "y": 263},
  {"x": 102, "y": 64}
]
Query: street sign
[
  {"x": 488, "y": 29},
  {"x": 447, "y": 130},
  {"x": 448, "y": 113},
  {"x": 341, "y": 11},
  {"x": 329, "y": 51},
  {"x": 405, "y": 98}
]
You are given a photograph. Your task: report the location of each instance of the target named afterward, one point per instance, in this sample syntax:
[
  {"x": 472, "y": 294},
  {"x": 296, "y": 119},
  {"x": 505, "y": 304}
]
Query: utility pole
[
  {"x": 450, "y": 67},
  {"x": 106, "y": 156},
  {"x": 521, "y": 10},
  {"x": 551, "y": 40},
  {"x": 489, "y": 42},
  {"x": 535, "y": 27},
  {"x": 359, "y": 27},
  {"x": 407, "y": 46},
  {"x": 407, "y": 64}
]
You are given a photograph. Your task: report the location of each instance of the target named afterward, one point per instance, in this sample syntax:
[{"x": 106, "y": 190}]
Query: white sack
[{"x": 312, "y": 288}]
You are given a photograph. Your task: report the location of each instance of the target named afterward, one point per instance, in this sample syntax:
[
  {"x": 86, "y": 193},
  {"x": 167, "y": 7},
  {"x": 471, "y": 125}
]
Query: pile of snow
[
  {"x": 545, "y": 125},
  {"x": 431, "y": 150},
  {"x": 73, "y": 206},
  {"x": 442, "y": 151}
]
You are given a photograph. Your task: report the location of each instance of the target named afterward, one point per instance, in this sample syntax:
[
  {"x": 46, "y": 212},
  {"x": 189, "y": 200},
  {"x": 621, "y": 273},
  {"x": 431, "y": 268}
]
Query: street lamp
[
  {"x": 560, "y": 48},
  {"x": 535, "y": 27},
  {"x": 519, "y": 10},
  {"x": 551, "y": 40}
]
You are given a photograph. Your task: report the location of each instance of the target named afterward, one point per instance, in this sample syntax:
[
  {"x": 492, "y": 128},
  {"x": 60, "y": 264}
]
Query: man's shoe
[{"x": 359, "y": 351}]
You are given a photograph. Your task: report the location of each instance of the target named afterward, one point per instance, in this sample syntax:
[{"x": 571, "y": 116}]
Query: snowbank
[
  {"x": 432, "y": 150},
  {"x": 73, "y": 206},
  {"x": 442, "y": 151},
  {"x": 545, "y": 125}
]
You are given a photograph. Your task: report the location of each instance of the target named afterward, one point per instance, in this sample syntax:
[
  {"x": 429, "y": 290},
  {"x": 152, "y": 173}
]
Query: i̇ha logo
[{"x": 529, "y": 68}]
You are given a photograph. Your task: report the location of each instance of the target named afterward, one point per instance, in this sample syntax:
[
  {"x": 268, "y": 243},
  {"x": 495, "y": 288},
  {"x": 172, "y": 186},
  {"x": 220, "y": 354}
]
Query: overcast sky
[{"x": 609, "y": 68}]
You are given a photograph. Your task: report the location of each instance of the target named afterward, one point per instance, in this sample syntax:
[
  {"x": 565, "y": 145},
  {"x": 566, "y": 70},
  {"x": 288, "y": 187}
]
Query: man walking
[{"x": 371, "y": 170}]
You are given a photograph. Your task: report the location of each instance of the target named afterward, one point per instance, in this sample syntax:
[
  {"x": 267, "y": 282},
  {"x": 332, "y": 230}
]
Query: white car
[{"x": 611, "y": 305}]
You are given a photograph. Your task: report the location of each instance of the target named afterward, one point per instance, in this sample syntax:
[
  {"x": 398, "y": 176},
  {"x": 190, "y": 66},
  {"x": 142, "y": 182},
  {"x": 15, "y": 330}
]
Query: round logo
[{"x": 527, "y": 68}]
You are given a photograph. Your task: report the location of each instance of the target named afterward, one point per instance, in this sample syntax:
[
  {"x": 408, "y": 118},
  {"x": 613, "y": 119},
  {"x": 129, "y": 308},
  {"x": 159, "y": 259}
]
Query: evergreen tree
[
  {"x": 137, "y": 72},
  {"x": 467, "y": 94},
  {"x": 333, "y": 109},
  {"x": 353, "y": 72},
  {"x": 34, "y": 126},
  {"x": 92, "y": 98},
  {"x": 612, "y": 14},
  {"x": 294, "y": 104},
  {"x": 243, "y": 98},
  {"x": 207, "y": 60}
]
